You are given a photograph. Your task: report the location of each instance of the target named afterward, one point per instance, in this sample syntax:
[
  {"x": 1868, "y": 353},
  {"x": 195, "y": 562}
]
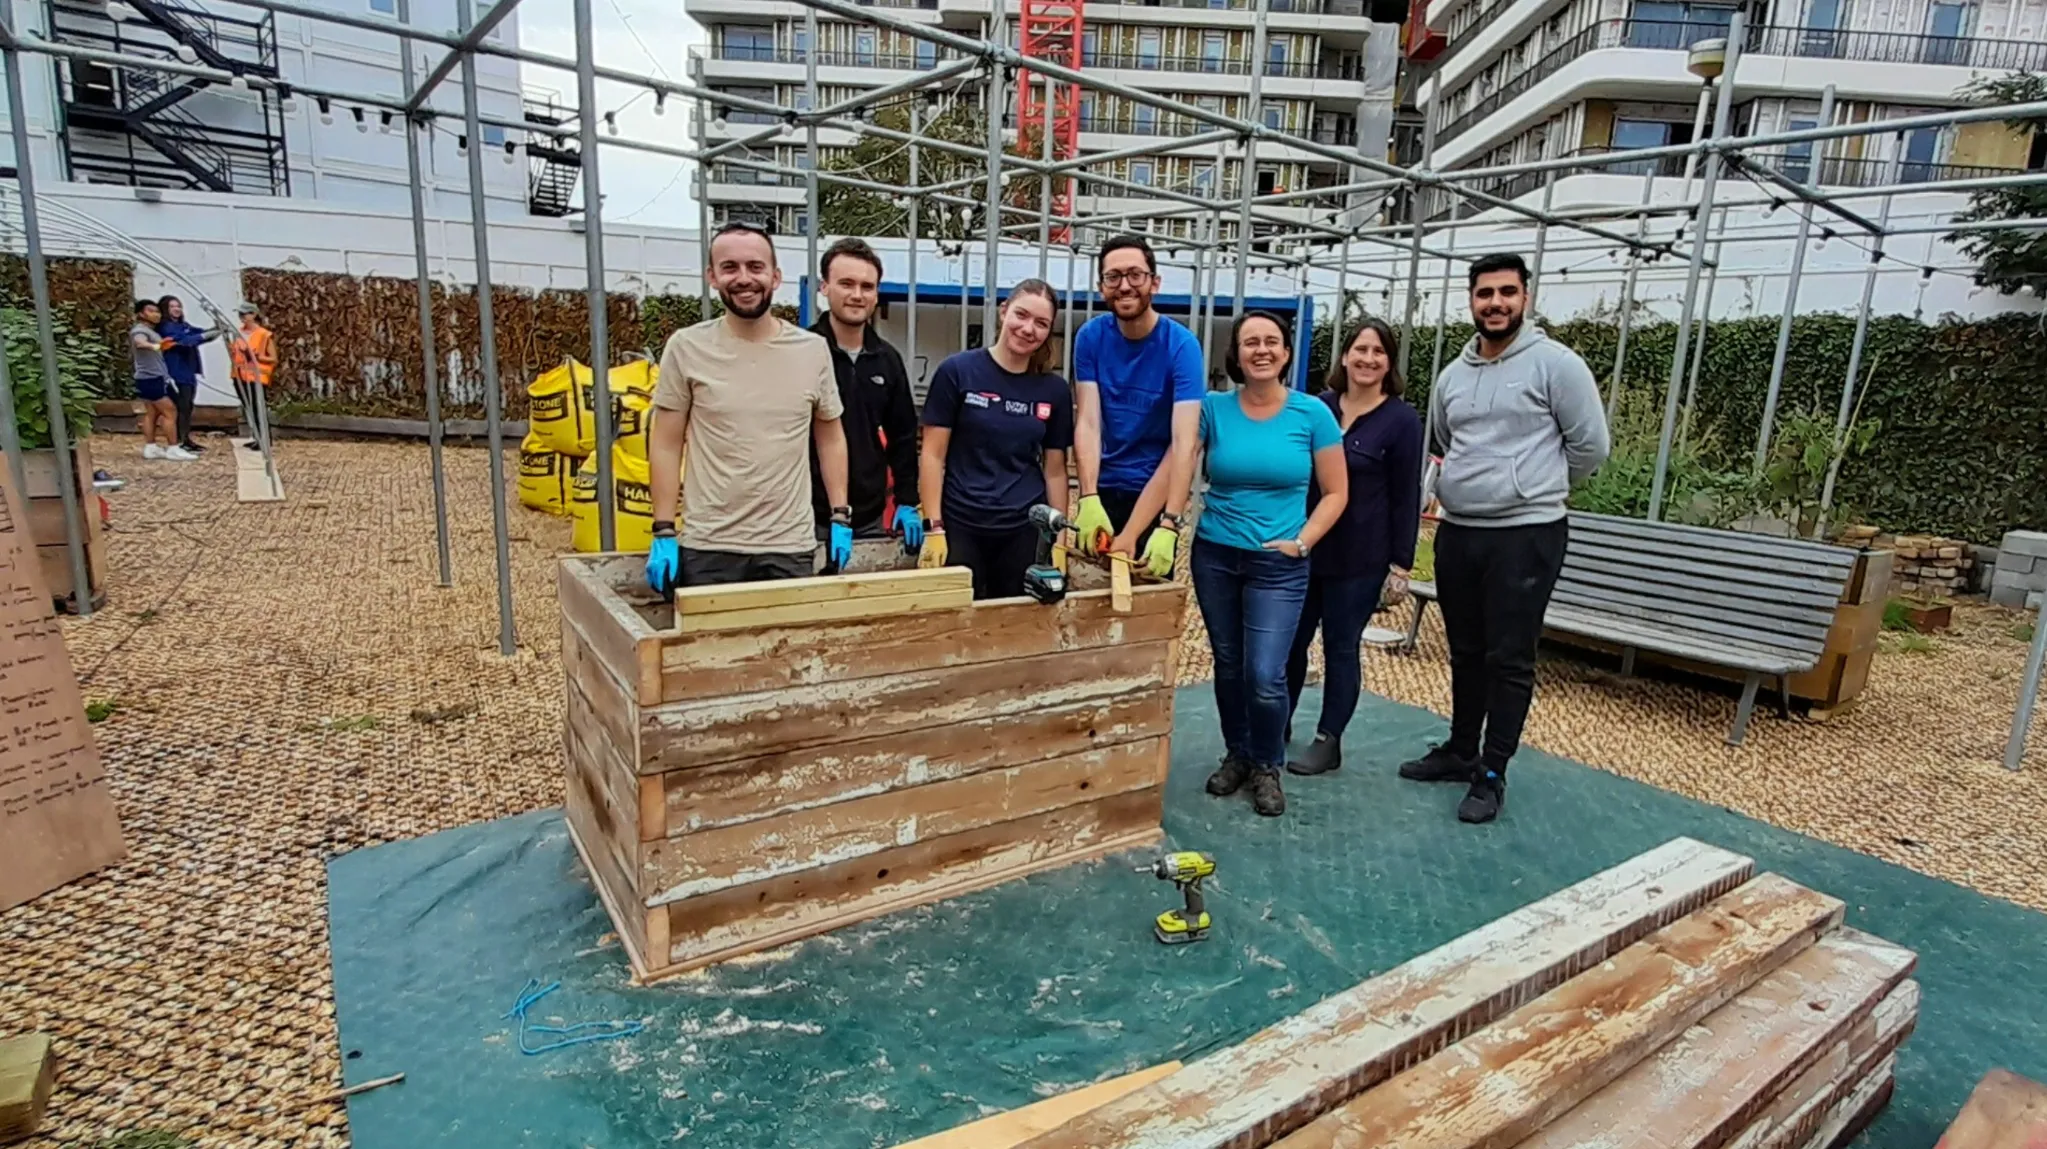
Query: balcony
[
  {"x": 1308, "y": 7},
  {"x": 1174, "y": 127},
  {"x": 896, "y": 61},
  {"x": 1522, "y": 183},
  {"x": 1142, "y": 61},
  {"x": 1899, "y": 48},
  {"x": 1859, "y": 172}
]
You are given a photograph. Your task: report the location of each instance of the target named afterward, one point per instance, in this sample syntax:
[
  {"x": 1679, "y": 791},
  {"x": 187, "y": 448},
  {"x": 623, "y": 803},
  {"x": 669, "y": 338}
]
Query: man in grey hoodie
[{"x": 1517, "y": 420}]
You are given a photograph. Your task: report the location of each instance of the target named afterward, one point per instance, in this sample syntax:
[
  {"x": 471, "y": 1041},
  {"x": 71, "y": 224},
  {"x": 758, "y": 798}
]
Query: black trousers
[
  {"x": 998, "y": 558},
  {"x": 248, "y": 393},
  {"x": 183, "y": 396},
  {"x": 1493, "y": 584},
  {"x": 716, "y": 568}
]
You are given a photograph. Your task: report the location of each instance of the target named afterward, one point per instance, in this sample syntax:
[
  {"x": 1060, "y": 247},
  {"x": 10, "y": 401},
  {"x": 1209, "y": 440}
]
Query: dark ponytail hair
[
  {"x": 1231, "y": 366},
  {"x": 1041, "y": 359},
  {"x": 1393, "y": 385}
]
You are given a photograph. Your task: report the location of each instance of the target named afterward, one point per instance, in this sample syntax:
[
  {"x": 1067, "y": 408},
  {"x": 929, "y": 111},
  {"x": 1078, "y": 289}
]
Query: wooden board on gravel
[
  {"x": 1511, "y": 1078},
  {"x": 1285, "y": 1076},
  {"x": 811, "y": 753},
  {"x": 28, "y": 1071},
  {"x": 2005, "y": 1111}
]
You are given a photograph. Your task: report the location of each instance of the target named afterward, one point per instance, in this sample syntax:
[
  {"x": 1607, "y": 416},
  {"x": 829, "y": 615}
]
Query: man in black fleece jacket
[{"x": 881, "y": 414}]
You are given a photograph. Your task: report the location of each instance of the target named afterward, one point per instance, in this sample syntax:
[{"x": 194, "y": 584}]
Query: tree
[
  {"x": 2008, "y": 259},
  {"x": 844, "y": 210}
]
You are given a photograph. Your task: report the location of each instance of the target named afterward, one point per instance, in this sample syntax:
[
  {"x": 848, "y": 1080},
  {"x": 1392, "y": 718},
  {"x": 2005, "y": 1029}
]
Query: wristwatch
[
  {"x": 1303, "y": 544},
  {"x": 1170, "y": 521},
  {"x": 843, "y": 516},
  {"x": 664, "y": 529}
]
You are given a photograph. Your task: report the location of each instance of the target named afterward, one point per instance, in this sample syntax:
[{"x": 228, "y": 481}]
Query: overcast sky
[{"x": 650, "y": 37}]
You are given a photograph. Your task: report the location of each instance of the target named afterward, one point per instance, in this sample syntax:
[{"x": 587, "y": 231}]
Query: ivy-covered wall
[
  {"x": 92, "y": 297},
  {"x": 1961, "y": 448},
  {"x": 351, "y": 344}
]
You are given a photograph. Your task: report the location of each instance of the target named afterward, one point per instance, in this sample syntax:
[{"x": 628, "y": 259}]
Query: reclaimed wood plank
[
  {"x": 690, "y": 866},
  {"x": 746, "y": 789},
  {"x": 28, "y": 1073},
  {"x": 721, "y": 663},
  {"x": 772, "y": 913},
  {"x": 758, "y": 596},
  {"x": 1006, "y": 1130},
  {"x": 1858, "y": 1110},
  {"x": 683, "y": 735},
  {"x": 610, "y": 707},
  {"x": 1710, "y": 1082},
  {"x": 1276, "y": 1081},
  {"x": 832, "y": 610},
  {"x": 1791, "y": 1118},
  {"x": 612, "y": 630},
  {"x": 2004, "y": 1111},
  {"x": 1511, "y": 1078},
  {"x": 628, "y": 917},
  {"x": 614, "y": 824},
  {"x": 583, "y": 735}
]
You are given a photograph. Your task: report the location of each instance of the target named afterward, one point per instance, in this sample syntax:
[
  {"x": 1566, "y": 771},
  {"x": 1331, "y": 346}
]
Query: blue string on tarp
[{"x": 578, "y": 1034}]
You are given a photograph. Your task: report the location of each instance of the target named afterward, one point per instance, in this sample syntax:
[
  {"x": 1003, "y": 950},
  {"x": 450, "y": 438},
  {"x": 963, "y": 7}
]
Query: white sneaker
[
  {"x": 151, "y": 451},
  {"x": 178, "y": 453}
]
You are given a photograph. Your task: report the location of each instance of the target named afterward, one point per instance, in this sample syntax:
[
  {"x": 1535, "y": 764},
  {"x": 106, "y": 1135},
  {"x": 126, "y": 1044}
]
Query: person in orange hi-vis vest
[{"x": 255, "y": 360}]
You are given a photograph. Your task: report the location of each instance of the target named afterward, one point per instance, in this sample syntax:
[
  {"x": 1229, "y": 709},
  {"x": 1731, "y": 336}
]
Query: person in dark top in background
[
  {"x": 1364, "y": 560},
  {"x": 181, "y": 359},
  {"x": 880, "y": 413},
  {"x": 997, "y": 426}
]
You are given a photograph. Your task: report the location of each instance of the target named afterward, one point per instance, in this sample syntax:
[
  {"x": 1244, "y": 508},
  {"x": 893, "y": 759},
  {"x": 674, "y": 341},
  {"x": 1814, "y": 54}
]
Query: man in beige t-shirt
[{"x": 747, "y": 394}]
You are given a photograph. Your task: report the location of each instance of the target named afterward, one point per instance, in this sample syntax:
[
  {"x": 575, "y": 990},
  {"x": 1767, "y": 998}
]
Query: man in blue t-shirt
[{"x": 1137, "y": 390}]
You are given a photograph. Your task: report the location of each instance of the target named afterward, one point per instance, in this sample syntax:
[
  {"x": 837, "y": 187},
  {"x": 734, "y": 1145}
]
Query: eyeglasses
[{"x": 1119, "y": 278}]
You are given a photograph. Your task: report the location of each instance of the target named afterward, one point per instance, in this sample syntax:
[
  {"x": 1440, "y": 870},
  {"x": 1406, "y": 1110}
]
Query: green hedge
[{"x": 1962, "y": 407}]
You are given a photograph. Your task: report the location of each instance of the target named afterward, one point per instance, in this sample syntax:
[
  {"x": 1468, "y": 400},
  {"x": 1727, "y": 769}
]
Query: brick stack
[
  {"x": 2021, "y": 574},
  {"x": 1923, "y": 566}
]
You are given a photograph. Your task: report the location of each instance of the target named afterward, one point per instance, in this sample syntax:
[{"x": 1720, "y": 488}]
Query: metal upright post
[
  {"x": 2029, "y": 693},
  {"x": 429, "y": 355},
  {"x": 1442, "y": 327},
  {"x": 1777, "y": 360},
  {"x": 1735, "y": 30},
  {"x": 1249, "y": 178},
  {"x": 1549, "y": 188},
  {"x": 1341, "y": 315},
  {"x": 810, "y": 269},
  {"x": 1691, "y": 397},
  {"x": 593, "y": 260},
  {"x": 966, "y": 293},
  {"x": 1071, "y": 330},
  {"x": 997, "y": 34},
  {"x": 1414, "y": 247},
  {"x": 1847, "y": 409},
  {"x": 493, "y": 400},
  {"x": 1045, "y": 191},
  {"x": 703, "y": 243},
  {"x": 10, "y": 439},
  {"x": 1304, "y": 334},
  {"x": 916, "y": 203},
  {"x": 46, "y": 339},
  {"x": 1627, "y": 299}
]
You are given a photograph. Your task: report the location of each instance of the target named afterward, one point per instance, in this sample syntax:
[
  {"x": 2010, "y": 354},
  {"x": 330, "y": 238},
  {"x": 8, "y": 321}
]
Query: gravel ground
[{"x": 290, "y": 685}]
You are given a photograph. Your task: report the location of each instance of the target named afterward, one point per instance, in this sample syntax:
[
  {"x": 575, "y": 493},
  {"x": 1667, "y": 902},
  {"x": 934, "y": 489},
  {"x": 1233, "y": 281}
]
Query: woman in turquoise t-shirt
[{"x": 1263, "y": 442}]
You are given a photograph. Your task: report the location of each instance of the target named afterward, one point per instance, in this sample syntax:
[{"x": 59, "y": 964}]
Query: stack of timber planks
[
  {"x": 769, "y": 761},
  {"x": 1675, "y": 1001}
]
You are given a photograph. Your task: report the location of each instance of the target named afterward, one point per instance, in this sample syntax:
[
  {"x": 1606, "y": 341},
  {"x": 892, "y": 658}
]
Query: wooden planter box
[
  {"x": 805, "y": 763},
  {"x": 1927, "y": 617},
  {"x": 46, "y": 523}
]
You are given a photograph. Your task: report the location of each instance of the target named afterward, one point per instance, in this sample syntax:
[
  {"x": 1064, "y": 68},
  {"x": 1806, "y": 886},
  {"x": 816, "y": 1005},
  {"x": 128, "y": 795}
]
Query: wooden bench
[{"x": 1753, "y": 603}]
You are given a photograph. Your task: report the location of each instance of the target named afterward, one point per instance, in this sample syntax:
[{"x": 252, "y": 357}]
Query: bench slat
[
  {"x": 1802, "y": 590},
  {"x": 1716, "y": 539},
  {"x": 1663, "y": 642},
  {"x": 1693, "y": 629},
  {"x": 1701, "y": 602},
  {"x": 1645, "y": 550}
]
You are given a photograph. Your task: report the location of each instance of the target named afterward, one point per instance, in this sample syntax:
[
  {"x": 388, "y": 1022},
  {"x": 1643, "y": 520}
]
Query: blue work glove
[
  {"x": 910, "y": 525},
  {"x": 841, "y": 552},
  {"x": 664, "y": 565}
]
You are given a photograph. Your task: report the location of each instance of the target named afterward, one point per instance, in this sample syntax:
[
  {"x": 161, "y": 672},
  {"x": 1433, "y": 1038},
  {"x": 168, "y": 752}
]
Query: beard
[
  {"x": 1506, "y": 333},
  {"x": 763, "y": 301}
]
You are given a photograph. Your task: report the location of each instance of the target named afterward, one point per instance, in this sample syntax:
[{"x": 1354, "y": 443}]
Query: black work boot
[
  {"x": 1440, "y": 764},
  {"x": 1322, "y": 756},
  {"x": 1488, "y": 793},
  {"x": 1229, "y": 777},
  {"x": 1266, "y": 795}
]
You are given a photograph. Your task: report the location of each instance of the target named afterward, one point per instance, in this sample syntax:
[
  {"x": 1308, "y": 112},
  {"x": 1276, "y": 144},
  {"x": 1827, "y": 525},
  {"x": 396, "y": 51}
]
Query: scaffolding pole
[
  {"x": 1846, "y": 413},
  {"x": 2029, "y": 692},
  {"x": 46, "y": 337},
  {"x": 915, "y": 221},
  {"x": 1627, "y": 297},
  {"x": 593, "y": 261},
  {"x": 811, "y": 274},
  {"x": 1691, "y": 399},
  {"x": 1783, "y": 351},
  {"x": 1045, "y": 189},
  {"x": 10, "y": 439},
  {"x": 1711, "y": 177},
  {"x": 1414, "y": 249},
  {"x": 993, "y": 220},
  {"x": 1341, "y": 315},
  {"x": 1549, "y": 187},
  {"x": 493, "y": 387},
  {"x": 1248, "y": 179},
  {"x": 429, "y": 354}
]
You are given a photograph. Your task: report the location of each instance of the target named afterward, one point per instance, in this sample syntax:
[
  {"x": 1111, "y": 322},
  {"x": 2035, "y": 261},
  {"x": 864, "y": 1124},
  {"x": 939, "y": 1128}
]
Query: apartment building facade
[
  {"x": 1328, "y": 67},
  {"x": 1518, "y": 80}
]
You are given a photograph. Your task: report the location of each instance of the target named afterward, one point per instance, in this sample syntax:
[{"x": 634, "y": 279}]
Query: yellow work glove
[
  {"x": 1059, "y": 558},
  {"x": 932, "y": 553},
  {"x": 1160, "y": 550},
  {"x": 1091, "y": 524}
]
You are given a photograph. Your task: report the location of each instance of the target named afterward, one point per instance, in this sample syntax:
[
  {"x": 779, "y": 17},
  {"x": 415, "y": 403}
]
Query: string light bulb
[
  {"x": 119, "y": 10},
  {"x": 384, "y": 123},
  {"x": 511, "y": 149},
  {"x": 326, "y": 109},
  {"x": 660, "y": 102},
  {"x": 611, "y": 122},
  {"x": 289, "y": 104},
  {"x": 238, "y": 82},
  {"x": 186, "y": 53},
  {"x": 2026, "y": 289},
  {"x": 461, "y": 145},
  {"x": 362, "y": 123},
  {"x": 1826, "y": 233}
]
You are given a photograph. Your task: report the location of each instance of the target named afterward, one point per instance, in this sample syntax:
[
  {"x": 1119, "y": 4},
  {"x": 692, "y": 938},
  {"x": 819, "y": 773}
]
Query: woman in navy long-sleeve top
[
  {"x": 181, "y": 360},
  {"x": 1365, "y": 559}
]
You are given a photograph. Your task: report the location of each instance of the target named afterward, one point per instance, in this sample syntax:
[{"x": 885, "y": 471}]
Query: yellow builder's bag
[
  {"x": 544, "y": 477},
  {"x": 632, "y": 389},
  {"x": 557, "y": 411},
  {"x": 632, "y": 505}
]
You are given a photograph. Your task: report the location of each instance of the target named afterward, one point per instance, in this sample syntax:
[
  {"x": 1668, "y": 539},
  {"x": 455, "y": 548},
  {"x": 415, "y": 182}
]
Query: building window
[
  {"x": 493, "y": 136},
  {"x": 1798, "y": 157},
  {"x": 1277, "y": 55},
  {"x": 1674, "y": 25},
  {"x": 1141, "y": 172},
  {"x": 749, "y": 43},
  {"x": 1947, "y": 26},
  {"x": 863, "y": 47},
  {"x": 1275, "y": 116},
  {"x": 384, "y": 8},
  {"x": 802, "y": 224},
  {"x": 1212, "y": 52},
  {"x": 799, "y": 39},
  {"x": 2036, "y": 156},
  {"x": 1204, "y": 179},
  {"x": 1922, "y": 148},
  {"x": 1148, "y": 48},
  {"x": 1144, "y": 120},
  {"x": 927, "y": 55}
]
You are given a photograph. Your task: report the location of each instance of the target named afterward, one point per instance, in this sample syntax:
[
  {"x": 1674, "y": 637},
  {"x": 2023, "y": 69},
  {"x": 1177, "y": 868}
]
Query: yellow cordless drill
[{"x": 1185, "y": 869}]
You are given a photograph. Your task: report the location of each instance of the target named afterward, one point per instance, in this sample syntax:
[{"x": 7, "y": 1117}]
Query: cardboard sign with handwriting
[{"x": 57, "y": 819}]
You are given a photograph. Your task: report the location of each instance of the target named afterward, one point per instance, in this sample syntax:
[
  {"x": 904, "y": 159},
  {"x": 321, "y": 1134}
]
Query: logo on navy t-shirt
[
  {"x": 1044, "y": 412},
  {"x": 978, "y": 398}
]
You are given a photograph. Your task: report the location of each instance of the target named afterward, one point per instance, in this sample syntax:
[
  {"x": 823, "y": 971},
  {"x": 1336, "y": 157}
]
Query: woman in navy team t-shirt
[{"x": 997, "y": 426}]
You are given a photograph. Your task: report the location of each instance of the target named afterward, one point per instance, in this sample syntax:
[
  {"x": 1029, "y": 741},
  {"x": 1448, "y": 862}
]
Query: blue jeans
[
  {"x": 1251, "y": 603},
  {"x": 1341, "y": 607}
]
